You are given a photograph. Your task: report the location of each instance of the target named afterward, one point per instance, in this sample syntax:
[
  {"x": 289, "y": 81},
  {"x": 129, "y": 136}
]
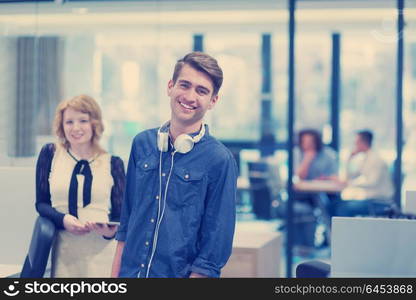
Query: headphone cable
[{"x": 160, "y": 215}]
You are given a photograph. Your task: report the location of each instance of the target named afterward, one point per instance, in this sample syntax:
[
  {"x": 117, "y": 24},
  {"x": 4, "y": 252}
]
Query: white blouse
[{"x": 60, "y": 178}]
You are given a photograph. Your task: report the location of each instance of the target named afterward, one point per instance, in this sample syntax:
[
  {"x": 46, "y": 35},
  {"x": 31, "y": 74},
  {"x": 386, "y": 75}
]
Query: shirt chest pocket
[
  {"x": 147, "y": 170},
  {"x": 186, "y": 188},
  {"x": 147, "y": 165}
]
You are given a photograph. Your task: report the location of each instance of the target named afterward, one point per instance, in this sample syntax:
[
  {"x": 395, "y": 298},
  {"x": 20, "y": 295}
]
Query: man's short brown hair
[{"x": 204, "y": 63}]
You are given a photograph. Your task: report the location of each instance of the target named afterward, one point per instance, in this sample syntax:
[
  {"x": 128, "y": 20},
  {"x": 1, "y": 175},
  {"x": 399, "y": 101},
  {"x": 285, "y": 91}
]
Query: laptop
[
  {"x": 373, "y": 247},
  {"x": 409, "y": 206}
]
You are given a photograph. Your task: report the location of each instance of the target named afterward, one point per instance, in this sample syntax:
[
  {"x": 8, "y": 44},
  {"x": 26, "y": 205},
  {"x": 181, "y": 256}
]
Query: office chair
[
  {"x": 262, "y": 199},
  {"x": 313, "y": 269},
  {"x": 40, "y": 245}
]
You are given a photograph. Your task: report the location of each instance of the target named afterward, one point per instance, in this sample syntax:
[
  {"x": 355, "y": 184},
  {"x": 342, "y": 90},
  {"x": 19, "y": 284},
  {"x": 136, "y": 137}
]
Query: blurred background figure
[
  {"x": 369, "y": 187},
  {"x": 313, "y": 161},
  {"x": 79, "y": 186}
]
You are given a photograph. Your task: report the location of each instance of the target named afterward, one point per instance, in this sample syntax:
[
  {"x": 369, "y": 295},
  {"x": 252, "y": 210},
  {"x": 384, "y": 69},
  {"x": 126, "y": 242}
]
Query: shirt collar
[{"x": 193, "y": 134}]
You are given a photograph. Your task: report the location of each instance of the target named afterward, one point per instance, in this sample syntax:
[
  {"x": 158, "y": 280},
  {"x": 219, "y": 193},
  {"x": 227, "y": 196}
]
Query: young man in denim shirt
[{"x": 178, "y": 217}]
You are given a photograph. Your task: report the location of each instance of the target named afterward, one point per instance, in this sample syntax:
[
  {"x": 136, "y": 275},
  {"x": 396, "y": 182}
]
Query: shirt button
[
  {"x": 163, "y": 174},
  {"x": 147, "y": 243},
  {"x": 142, "y": 265},
  {"x": 157, "y": 197},
  {"x": 152, "y": 220},
  {"x": 145, "y": 165},
  {"x": 187, "y": 176}
]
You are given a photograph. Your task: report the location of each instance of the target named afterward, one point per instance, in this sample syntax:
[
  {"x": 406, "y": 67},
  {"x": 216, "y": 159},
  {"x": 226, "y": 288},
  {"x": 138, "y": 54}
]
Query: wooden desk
[
  {"x": 255, "y": 254},
  {"x": 327, "y": 186},
  {"x": 243, "y": 184}
]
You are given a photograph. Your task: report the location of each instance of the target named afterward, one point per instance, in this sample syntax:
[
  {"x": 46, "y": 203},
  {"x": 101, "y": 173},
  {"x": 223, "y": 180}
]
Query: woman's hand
[
  {"x": 309, "y": 155},
  {"x": 103, "y": 229},
  {"x": 74, "y": 226}
]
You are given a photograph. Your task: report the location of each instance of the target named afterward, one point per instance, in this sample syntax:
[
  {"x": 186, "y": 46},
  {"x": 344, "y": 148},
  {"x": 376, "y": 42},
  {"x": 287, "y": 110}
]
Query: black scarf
[{"x": 82, "y": 167}]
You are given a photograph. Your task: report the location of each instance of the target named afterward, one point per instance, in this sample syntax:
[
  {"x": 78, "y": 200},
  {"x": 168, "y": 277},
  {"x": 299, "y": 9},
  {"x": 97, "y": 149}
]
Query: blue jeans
[{"x": 369, "y": 207}]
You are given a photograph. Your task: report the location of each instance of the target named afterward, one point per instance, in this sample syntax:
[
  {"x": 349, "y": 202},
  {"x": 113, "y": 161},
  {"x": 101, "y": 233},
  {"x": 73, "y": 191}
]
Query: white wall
[
  {"x": 17, "y": 213},
  {"x": 7, "y": 93}
]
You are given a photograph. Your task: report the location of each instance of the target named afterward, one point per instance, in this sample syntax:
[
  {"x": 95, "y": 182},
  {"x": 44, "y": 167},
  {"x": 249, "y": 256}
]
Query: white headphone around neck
[{"x": 183, "y": 143}]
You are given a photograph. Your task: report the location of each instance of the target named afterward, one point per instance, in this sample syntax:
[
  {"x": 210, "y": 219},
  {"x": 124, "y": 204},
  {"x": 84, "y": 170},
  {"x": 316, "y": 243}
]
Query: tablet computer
[{"x": 109, "y": 223}]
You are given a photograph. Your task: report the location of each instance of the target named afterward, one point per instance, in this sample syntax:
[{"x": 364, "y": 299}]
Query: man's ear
[
  {"x": 214, "y": 100},
  {"x": 170, "y": 86}
]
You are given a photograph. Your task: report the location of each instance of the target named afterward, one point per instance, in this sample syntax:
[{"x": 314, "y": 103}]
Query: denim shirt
[{"x": 197, "y": 228}]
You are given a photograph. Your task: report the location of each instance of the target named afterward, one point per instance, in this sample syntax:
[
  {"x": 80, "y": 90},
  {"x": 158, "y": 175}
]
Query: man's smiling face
[{"x": 191, "y": 96}]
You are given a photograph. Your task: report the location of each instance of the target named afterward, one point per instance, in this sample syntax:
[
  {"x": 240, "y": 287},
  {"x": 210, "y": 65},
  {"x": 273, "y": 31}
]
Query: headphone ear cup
[
  {"x": 163, "y": 141},
  {"x": 184, "y": 143}
]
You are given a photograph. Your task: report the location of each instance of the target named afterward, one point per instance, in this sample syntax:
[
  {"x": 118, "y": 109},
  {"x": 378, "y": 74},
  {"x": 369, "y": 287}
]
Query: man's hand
[
  {"x": 197, "y": 275},
  {"x": 354, "y": 152},
  {"x": 74, "y": 226},
  {"x": 115, "y": 270}
]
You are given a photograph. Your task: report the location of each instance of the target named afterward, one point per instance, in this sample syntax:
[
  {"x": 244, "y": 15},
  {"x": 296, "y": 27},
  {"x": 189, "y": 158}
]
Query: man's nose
[{"x": 191, "y": 95}]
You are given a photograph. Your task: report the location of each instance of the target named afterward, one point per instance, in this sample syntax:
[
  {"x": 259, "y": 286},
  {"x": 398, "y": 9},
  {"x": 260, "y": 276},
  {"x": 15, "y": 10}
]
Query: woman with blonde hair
[{"x": 80, "y": 187}]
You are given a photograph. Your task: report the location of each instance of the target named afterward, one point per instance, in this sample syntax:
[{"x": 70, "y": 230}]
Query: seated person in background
[
  {"x": 369, "y": 188},
  {"x": 79, "y": 186},
  {"x": 312, "y": 160}
]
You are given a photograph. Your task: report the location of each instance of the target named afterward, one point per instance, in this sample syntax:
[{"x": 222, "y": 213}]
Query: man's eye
[
  {"x": 69, "y": 122},
  {"x": 202, "y": 92}
]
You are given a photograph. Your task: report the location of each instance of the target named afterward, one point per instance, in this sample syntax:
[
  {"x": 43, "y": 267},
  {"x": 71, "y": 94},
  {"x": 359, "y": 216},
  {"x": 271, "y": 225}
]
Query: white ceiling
[{"x": 217, "y": 14}]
